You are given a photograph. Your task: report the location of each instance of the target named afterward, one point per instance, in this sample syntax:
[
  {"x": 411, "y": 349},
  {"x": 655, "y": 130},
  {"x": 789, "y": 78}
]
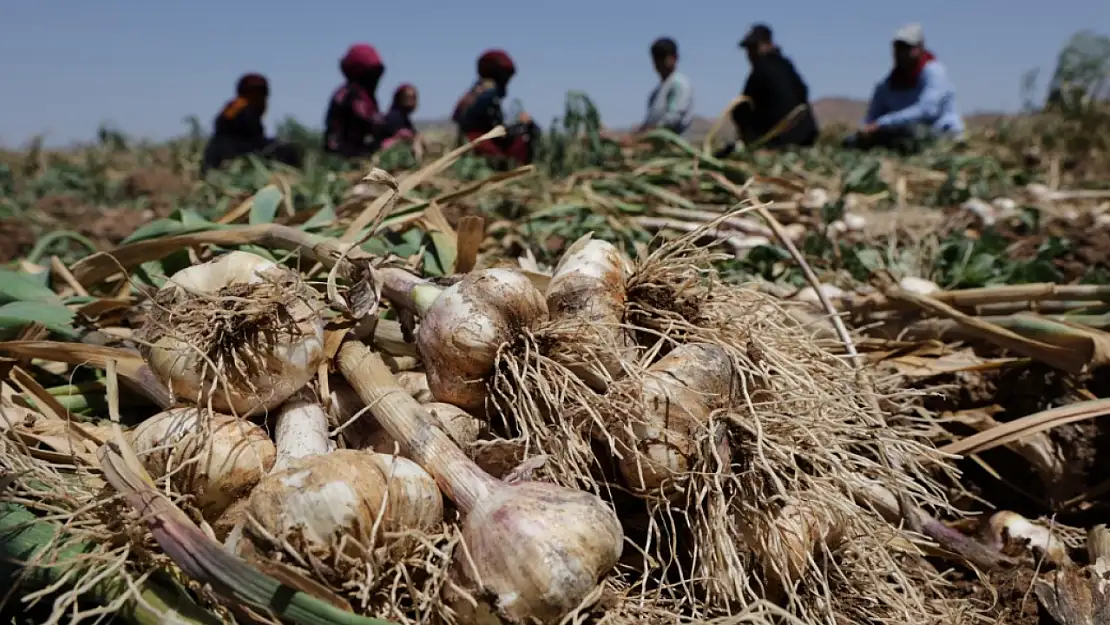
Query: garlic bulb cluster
[
  {"x": 214, "y": 457},
  {"x": 317, "y": 501},
  {"x": 240, "y": 331},
  {"x": 465, "y": 326}
]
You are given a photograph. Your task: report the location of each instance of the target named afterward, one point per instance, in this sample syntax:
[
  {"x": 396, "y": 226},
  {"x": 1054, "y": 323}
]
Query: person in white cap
[{"x": 915, "y": 101}]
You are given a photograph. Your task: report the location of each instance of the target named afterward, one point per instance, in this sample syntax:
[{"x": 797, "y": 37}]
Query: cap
[
  {"x": 759, "y": 33},
  {"x": 910, "y": 34}
]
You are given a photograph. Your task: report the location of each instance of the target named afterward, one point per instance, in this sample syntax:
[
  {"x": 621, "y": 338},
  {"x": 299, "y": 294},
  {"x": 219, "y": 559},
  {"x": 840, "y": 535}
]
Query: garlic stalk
[
  {"x": 321, "y": 497},
  {"x": 365, "y": 432},
  {"x": 214, "y": 457},
  {"x": 240, "y": 331},
  {"x": 533, "y": 551},
  {"x": 464, "y": 325}
]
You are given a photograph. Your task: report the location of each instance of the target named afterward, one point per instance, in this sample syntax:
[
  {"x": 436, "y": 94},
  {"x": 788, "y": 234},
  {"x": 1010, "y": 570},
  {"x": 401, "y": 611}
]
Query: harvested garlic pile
[
  {"x": 240, "y": 331},
  {"x": 213, "y": 457}
]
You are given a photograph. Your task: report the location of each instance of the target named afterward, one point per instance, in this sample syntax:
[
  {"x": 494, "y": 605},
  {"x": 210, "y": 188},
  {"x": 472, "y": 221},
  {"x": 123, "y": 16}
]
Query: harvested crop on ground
[{"x": 619, "y": 385}]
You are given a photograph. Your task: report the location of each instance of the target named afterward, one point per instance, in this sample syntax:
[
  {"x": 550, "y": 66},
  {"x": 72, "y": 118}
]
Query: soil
[
  {"x": 16, "y": 239},
  {"x": 1009, "y": 593}
]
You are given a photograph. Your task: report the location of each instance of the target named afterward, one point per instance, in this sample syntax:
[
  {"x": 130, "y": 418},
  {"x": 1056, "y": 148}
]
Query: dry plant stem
[
  {"x": 531, "y": 551},
  {"x": 1098, "y": 543},
  {"x": 1006, "y": 294},
  {"x": 1038, "y": 449},
  {"x": 1066, "y": 359}
]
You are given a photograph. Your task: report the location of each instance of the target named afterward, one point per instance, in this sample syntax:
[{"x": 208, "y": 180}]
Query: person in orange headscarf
[
  {"x": 354, "y": 124},
  {"x": 239, "y": 129},
  {"x": 479, "y": 111}
]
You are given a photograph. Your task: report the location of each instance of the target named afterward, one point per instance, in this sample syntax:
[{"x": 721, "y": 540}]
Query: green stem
[
  {"x": 410, "y": 292},
  {"x": 26, "y": 557},
  {"x": 46, "y": 241}
]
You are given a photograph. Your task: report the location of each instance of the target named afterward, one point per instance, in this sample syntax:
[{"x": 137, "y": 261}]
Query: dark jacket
[
  {"x": 238, "y": 131},
  {"x": 775, "y": 89},
  {"x": 354, "y": 125}
]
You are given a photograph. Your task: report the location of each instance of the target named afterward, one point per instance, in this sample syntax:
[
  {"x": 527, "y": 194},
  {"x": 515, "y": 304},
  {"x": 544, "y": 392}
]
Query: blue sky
[{"x": 69, "y": 65}]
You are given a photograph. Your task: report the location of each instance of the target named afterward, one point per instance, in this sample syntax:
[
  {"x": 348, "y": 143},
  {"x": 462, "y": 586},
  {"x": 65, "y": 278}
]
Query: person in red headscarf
[
  {"x": 354, "y": 125},
  {"x": 398, "y": 120},
  {"x": 239, "y": 129},
  {"x": 479, "y": 111}
]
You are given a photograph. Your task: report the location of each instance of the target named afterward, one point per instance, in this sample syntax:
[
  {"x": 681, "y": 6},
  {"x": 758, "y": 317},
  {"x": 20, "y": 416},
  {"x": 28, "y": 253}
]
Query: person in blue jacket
[{"x": 916, "y": 101}]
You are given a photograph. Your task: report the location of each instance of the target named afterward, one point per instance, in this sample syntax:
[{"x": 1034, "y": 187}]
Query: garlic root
[
  {"x": 214, "y": 457},
  {"x": 588, "y": 289},
  {"x": 533, "y": 550},
  {"x": 240, "y": 331}
]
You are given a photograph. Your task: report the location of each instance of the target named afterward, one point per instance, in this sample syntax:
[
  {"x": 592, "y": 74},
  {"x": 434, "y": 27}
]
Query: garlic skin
[
  {"x": 918, "y": 286},
  {"x": 256, "y": 374},
  {"x": 416, "y": 384},
  {"x": 318, "y": 500},
  {"x": 465, "y": 326},
  {"x": 214, "y": 457},
  {"x": 526, "y": 578},
  {"x": 679, "y": 394}
]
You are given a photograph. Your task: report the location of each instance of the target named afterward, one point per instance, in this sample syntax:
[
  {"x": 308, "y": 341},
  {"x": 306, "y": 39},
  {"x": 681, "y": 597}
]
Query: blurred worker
[
  {"x": 239, "y": 130},
  {"x": 774, "y": 94},
  {"x": 354, "y": 125},
  {"x": 479, "y": 111},
  {"x": 671, "y": 103},
  {"x": 915, "y": 102},
  {"x": 398, "y": 120}
]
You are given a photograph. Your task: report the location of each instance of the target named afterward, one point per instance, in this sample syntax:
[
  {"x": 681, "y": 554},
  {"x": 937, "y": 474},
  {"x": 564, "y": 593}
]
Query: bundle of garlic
[
  {"x": 241, "y": 333},
  {"x": 325, "y": 502},
  {"x": 531, "y": 550}
]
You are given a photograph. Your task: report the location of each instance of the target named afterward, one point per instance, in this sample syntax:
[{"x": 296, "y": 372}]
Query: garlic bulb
[
  {"x": 240, "y": 331},
  {"x": 318, "y": 500},
  {"x": 464, "y": 325},
  {"x": 809, "y": 294},
  {"x": 679, "y": 393},
  {"x": 214, "y": 457},
  {"x": 919, "y": 286},
  {"x": 533, "y": 551}
]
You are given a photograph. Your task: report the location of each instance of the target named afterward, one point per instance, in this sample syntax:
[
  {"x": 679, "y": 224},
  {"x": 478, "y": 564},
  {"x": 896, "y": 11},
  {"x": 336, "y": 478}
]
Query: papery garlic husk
[
  {"x": 516, "y": 580},
  {"x": 679, "y": 393},
  {"x": 213, "y": 457},
  {"x": 416, "y": 384},
  {"x": 319, "y": 500},
  {"x": 587, "y": 295},
  {"x": 240, "y": 331},
  {"x": 468, "y": 322}
]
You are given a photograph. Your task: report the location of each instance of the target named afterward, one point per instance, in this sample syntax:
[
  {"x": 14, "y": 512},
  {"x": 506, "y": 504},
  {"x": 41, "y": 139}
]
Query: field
[{"x": 822, "y": 387}]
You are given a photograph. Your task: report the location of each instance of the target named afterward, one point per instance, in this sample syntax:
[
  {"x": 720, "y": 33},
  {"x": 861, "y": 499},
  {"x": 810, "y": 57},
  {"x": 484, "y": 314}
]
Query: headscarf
[
  {"x": 251, "y": 84},
  {"x": 496, "y": 65},
  {"x": 901, "y": 79},
  {"x": 396, "y": 105},
  {"x": 362, "y": 65}
]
